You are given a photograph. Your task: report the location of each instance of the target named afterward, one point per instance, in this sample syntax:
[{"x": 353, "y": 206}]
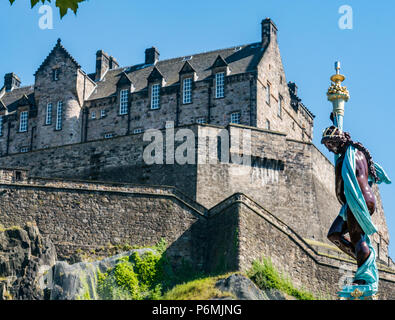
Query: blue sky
[{"x": 309, "y": 37}]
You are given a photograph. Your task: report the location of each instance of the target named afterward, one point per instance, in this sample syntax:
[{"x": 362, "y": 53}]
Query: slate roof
[
  {"x": 239, "y": 59},
  {"x": 12, "y": 98}
]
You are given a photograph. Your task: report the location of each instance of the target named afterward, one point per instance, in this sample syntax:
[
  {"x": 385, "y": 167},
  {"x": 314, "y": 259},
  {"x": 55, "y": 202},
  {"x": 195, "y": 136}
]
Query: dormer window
[
  {"x": 187, "y": 91},
  {"x": 23, "y": 118},
  {"x": 55, "y": 74},
  {"x": 124, "y": 101},
  {"x": 155, "y": 96},
  {"x": 219, "y": 84},
  {"x": 48, "y": 116}
]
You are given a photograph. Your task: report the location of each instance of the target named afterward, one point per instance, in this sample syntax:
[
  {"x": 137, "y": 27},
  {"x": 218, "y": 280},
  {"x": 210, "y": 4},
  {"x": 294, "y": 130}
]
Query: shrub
[{"x": 266, "y": 277}]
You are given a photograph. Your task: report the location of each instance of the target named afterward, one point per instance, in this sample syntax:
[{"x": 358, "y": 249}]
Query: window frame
[
  {"x": 201, "y": 122},
  {"x": 24, "y": 121},
  {"x": 155, "y": 96},
  {"x": 268, "y": 93},
  {"x": 220, "y": 85},
  {"x": 239, "y": 117},
  {"x": 48, "y": 114},
  {"x": 187, "y": 90},
  {"x": 280, "y": 106},
  {"x": 55, "y": 74},
  {"x": 59, "y": 116},
  {"x": 123, "y": 102}
]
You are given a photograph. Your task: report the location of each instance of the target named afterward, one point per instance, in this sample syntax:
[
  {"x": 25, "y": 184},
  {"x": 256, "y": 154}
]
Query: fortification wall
[
  {"x": 288, "y": 177},
  {"x": 261, "y": 234},
  {"x": 84, "y": 215},
  {"x": 77, "y": 215}
]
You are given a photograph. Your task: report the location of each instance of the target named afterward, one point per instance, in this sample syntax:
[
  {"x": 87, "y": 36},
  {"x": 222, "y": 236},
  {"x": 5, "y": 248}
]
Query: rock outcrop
[
  {"x": 25, "y": 256},
  {"x": 244, "y": 289},
  {"x": 79, "y": 281}
]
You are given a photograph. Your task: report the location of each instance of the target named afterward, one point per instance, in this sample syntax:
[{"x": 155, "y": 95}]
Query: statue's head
[{"x": 335, "y": 139}]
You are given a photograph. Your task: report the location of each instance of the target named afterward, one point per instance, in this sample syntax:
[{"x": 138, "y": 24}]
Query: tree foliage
[{"x": 63, "y": 5}]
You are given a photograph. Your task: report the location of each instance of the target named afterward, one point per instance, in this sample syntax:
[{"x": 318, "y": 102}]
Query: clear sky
[{"x": 309, "y": 37}]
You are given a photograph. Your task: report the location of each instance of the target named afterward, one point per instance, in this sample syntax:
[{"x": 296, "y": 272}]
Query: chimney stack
[
  {"x": 113, "y": 63},
  {"x": 269, "y": 32},
  {"x": 11, "y": 81},
  {"x": 151, "y": 55}
]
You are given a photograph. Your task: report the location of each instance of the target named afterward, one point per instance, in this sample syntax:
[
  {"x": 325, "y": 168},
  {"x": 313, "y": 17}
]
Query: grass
[
  {"x": 199, "y": 289},
  {"x": 266, "y": 277}
]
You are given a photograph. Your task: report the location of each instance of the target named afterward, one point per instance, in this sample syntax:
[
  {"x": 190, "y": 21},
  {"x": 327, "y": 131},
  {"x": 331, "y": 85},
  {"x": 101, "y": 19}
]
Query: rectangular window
[
  {"x": 59, "y": 116},
  {"x": 187, "y": 91},
  {"x": 55, "y": 74},
  {"x": 123, "y": 107},
  {"x": 201, "y": 120},
  {"x": 93, "y": 115},
  {"x": 155, "y": 96},
  {"x": 169, "y": 124},
  {"x": 48, "y": 117},
  {"x": 102, "y": 113},
  {"x": 280, "y": 106},
  {"x": 138, "y": 130},
  {"x": 1, "y": 126},
  {"x": 268, "y": 94},
  {"x": 23, "y": 121},
  {"x": 108, "y": 135},
  {"x": 25, "y": 149},
  {"x": 235, "y": 117},
  {"x": 219, "y": 84}
]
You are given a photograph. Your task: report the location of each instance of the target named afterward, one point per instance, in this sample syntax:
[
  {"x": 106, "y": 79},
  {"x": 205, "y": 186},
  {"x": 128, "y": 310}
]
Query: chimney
[
  {"x": 151, "y": 55},
  {"x": 11, "y": 81},
  {"x": 113, "y": 63},
  {"x": 102, "y": 64},
  {"x": 269, "y": 32}
]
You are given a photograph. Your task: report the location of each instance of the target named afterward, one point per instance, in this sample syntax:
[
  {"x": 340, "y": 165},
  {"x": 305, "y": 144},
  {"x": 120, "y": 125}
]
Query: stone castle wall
[
  {"x": 288, "y": 177},
  {"x": 83, "y": 215}
]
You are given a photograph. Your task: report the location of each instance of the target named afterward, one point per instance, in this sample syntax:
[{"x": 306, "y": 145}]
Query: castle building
[
  {"x": 72, "y": 161},
  {"x": 243, "y": 84}
]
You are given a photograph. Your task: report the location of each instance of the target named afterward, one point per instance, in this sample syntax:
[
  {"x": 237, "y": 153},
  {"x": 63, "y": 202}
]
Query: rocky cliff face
[{"x": 25, "y": 256}]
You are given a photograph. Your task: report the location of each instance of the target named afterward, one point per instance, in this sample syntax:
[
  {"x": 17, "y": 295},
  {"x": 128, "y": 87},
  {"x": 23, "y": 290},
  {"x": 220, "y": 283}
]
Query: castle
[{"x": 71, "y": 153}]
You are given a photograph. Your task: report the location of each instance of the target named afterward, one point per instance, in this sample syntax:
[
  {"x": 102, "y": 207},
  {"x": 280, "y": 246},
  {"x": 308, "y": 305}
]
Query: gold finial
[{"x": 336, "y": 90}]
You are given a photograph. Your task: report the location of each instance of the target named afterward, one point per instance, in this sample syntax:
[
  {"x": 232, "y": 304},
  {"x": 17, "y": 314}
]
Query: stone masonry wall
[
  {"x": 76, "y": 218},
  {"x": 288, "y": 177}
]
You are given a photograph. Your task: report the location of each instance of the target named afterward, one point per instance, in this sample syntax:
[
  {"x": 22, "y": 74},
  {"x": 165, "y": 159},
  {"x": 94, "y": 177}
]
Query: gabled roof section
[
  {"x": 124, "y": 80},
  {"x": 187, "y": 68},
  {"x": 240, "y": 59},
  {"x": 219, "y": 62},
  {"x": 155, "y": 75},
  {"x": 18, "y": 97},
  {"x": 24, "y": 101},
  {"x": 57, "y": 47}
]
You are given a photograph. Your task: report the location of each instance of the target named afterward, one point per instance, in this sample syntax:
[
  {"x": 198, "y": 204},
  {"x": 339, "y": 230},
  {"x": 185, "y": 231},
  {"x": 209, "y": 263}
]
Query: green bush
[{"x": 266, "y": 277}]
